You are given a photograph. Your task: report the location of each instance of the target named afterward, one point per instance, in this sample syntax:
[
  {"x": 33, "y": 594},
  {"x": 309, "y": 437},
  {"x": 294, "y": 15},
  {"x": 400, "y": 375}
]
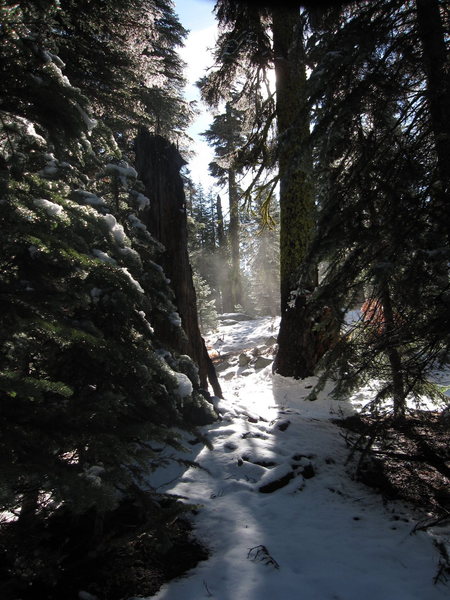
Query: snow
[
  {"x": 55, "y": 71},
  {"x": 52, "y": 166},
  {"x": 132, "y": 280},
  {"x": 136, "y": 223},
  {"x": 50, "y": 169},
  {"x": 90, "y": 198},
  {"x": 142, "y": 201},
  {"x": 184, "y": 385},
  {"x": 123, "y": 172},
  {"x": 143, "y": 316},
  {"x": 115, "y": 228},
  {"x": 319, "y": 536},
  {"x": 128, "y": 252},
  {"x": 52, "y": 209},
  {"x": 95, "y": 294},
  {"x": 93, "y": 475},
  {"x": 26, "y": 128},
  {"x": 175, "y": 319},
  {"x": 103, "y": 256},
  {"x": 88, "y": 121},
  {"x": 49, "y": 57}
]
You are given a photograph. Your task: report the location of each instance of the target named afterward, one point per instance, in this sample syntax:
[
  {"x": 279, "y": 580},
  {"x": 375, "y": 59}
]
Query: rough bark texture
[
  {"x": 437, "y": 70},
  {"x": 235, "y": 271},
  {"x": 158, "y": 164},
  {"x": 300, "y": 346},
  {"x": 297, "y": 212},
  {"x": 224, "y": 288},
  {"x": 395, "y": 361}
]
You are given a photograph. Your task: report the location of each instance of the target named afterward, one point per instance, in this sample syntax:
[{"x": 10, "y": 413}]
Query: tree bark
[
  {"x": 235, "y": 271},
  {"x": 222, "y": 271},
  {"x": 393, "y": 354},
  {"x": 437, "y": 70},
  {"x": 301, "y": 343},
  {"x": 158, "y": 164}
]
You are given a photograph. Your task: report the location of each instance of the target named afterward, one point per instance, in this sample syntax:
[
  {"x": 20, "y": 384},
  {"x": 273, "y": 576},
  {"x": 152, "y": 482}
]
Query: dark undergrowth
[
  {"x": 67, "y": 556},
  {"x": 407, "y": 459}
]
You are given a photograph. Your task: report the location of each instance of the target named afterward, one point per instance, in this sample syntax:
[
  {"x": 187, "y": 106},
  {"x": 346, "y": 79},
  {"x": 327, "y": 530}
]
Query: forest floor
[
  {"x": 292, "y": 502},
  {"x": 281, "y": 509}
]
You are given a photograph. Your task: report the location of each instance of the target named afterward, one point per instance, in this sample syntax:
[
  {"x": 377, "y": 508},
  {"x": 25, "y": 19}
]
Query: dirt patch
[{"x": 407, "y": 459}]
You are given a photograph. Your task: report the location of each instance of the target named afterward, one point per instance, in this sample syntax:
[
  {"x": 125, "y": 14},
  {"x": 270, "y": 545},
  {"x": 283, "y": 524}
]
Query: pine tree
[
  {"x": 261, "y": 250},
  {"x": 208, "y": 261},
  {"x": 253, "y": 39},
  {"x": 207, "y": 312},
  {"x": 378, "y": 229},
  {"x": 225, "y": 136},
  {"x": 89, "y": 392},
  {"x": 124, "y": 56}
]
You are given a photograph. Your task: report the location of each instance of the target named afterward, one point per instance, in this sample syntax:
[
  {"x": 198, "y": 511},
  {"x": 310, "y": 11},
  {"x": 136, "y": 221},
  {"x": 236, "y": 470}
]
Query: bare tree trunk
[
  {"x": 235, "y": 271},
  {"x": 395, "y": 361},
  {"x": 435, "y": 61},
  {"x": 301, "y": 342},
  {"x": 225, "y": 297},
  {"x": 158, "y": 163}
]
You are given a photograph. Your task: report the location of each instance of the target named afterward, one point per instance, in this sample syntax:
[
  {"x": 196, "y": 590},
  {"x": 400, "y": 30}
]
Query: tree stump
[{"x": 158, "y": 164}]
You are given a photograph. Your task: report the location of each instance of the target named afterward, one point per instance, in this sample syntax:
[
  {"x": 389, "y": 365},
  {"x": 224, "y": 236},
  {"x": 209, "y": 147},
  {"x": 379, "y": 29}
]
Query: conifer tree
[
  {"x": 205, "y": 247},
  {"x": 378, "y": 227},
  {"x": 253, "y": 39},
  {"x": 225, "y": 136},
  {"x": 124, "y": 56},
  {"x": 89, "y": 392},
  {"x": 261, "y": 251}
]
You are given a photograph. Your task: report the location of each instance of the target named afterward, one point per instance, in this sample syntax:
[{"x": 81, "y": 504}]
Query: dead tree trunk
[{"x": 158, "y": 164}]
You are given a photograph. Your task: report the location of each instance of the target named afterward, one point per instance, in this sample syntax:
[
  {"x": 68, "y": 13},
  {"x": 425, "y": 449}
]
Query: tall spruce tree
[
  {"x": 124, "y": 56},
  {"x": 380, "y": 194},
  {"x": 225, "y": 136},
  {"x": 208, "y": 261},
  {"x": 254, "y": 39},
  {"x": 261, "y": 252},
  {"x": 89, "y": 393}
]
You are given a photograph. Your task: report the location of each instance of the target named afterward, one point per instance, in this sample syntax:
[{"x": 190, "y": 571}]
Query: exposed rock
[
  {"x": 223, "y": 366},
  {"x": 262, "y": 362},
  {"x": 283, "y": 425},
  {"x": 273, "y": 486},
  {"x": 244, "y": 359}
]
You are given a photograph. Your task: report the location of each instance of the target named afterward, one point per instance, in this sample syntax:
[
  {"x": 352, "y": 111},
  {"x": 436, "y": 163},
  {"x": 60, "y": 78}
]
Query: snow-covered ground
[{"x": 278, "y": 510}]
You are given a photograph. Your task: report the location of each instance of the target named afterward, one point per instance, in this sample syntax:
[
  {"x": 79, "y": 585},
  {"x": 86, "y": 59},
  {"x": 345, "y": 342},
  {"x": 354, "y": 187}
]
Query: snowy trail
[{"x": 279, "y": 512}]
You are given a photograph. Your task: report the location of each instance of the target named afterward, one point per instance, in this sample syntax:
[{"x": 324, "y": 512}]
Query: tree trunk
[
  {"x": 235, "y": 271},
  {"x": 158, "y": 164},
  {"x": 436, "y": 66},
  {"x": 225, "y": 296},
  {"x": 300, "y": 347},
  {"x": 395, "y": 361}
]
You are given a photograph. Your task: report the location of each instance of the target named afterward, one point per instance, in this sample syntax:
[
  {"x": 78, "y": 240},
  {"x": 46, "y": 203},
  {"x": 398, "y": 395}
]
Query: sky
[{"x": 197, "y": 17}]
